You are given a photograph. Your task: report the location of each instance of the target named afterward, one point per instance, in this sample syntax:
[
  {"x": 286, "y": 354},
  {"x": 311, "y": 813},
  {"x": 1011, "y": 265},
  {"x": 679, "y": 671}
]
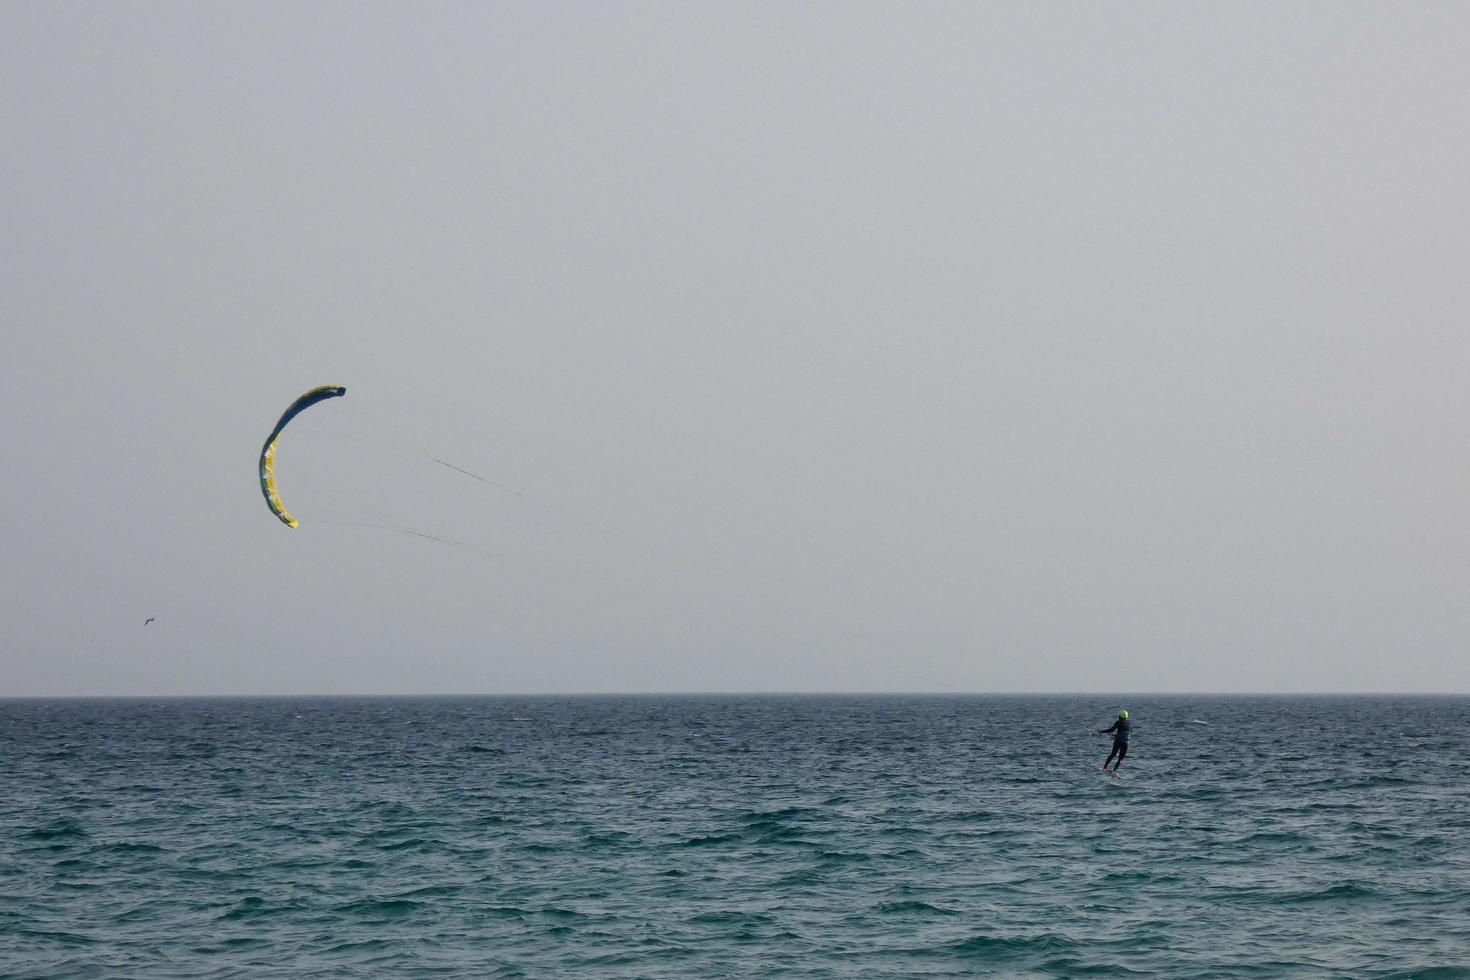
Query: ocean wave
[
  {"x": 1340, "y": 892},
  {"x": 911, "y": 907},
  {"x": 990, "y": 946},
  {"x": 379, "y": 908},
  {"x": 58, "y": 830},
  {"x": 252, "y": 907}
]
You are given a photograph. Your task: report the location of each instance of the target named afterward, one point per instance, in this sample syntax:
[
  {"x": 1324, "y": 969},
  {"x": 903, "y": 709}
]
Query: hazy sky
[{"x": 956, "y": 347}]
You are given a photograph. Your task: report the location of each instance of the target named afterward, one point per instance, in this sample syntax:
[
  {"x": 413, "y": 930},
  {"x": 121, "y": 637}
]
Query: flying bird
[{"x": 148, "y": 620}]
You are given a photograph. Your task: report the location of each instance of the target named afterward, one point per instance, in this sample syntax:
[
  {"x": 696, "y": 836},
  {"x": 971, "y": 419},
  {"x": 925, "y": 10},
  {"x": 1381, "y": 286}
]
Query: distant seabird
[{"x": 148, "y": 620}]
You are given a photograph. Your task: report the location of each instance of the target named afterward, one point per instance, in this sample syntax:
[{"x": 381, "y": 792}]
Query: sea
[{"x": 734, "y": 836}]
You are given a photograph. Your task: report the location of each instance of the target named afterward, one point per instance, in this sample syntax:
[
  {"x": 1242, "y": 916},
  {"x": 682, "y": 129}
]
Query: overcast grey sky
[{"x": 958, "y": 347}]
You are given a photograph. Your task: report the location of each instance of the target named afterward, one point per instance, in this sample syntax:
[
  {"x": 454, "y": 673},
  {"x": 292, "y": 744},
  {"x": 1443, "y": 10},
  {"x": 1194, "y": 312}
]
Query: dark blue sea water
[{"x": 734, "y": 837}]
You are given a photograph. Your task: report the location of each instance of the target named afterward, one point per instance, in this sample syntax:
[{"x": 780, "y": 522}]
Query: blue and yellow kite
[{"x": 268, "y": 452}]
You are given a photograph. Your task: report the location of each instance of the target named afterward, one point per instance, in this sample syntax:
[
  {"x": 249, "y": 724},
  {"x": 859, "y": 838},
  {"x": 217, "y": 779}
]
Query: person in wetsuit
[{"x": 1121, "y": 730}]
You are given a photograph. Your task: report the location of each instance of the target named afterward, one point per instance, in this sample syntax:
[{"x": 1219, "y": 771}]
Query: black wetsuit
[{"x": 1121, "y": 731}]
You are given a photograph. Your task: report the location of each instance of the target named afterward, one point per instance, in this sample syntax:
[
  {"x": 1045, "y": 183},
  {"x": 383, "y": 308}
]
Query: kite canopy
[{"x": 268, "y": 451}]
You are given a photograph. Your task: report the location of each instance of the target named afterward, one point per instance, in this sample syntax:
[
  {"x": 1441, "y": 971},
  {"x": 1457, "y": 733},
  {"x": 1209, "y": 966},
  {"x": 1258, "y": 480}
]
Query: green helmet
[{"x": 1122, "y": 714}]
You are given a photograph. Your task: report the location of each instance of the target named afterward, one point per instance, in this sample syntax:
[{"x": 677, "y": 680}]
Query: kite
[{"x": 268, "y": 452}]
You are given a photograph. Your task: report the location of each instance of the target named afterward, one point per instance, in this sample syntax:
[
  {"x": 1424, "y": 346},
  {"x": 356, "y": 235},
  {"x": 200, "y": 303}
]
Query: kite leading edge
[{"x": 268, "y": 452}]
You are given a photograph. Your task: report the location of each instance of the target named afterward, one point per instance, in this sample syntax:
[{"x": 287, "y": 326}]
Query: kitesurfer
[{"x": 1121, "y": 730}]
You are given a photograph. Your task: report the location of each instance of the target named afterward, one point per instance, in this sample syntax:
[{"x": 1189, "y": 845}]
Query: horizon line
[{"x": 739, "y": 694}]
